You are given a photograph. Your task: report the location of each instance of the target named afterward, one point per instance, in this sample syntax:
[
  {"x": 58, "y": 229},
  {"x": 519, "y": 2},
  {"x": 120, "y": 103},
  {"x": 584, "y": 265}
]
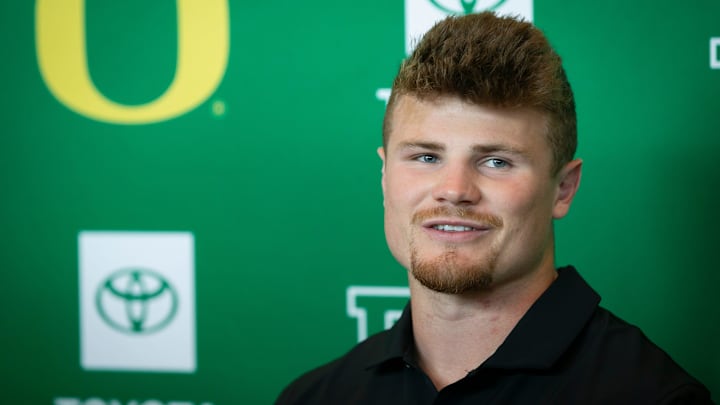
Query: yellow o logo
[{"x": 203, "y": 44}]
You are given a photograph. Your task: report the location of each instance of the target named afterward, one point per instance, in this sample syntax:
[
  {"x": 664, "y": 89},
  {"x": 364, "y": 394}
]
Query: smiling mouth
[{"x": 453, "y": 228}]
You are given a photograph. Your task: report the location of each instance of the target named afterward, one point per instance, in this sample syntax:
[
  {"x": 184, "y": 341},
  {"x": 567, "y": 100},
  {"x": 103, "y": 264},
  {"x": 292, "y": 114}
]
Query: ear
[
  {"x": 568, "y": 184},
  {"x": 381, "y": 153}
]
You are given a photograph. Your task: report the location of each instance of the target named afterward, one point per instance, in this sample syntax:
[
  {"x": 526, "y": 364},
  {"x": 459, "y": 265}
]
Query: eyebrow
[
  {"x": 482, "y": 149},
  {"x": 493, "y": 148},
  {"x": 433, "y": 146}
]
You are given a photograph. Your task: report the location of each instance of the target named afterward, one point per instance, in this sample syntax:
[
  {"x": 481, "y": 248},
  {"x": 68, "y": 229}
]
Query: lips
[
  {"x": 455, "y": 219},
  {"x": 453, "y": 228},
  {"x": 459, "y": 224},
  {"x": 456, "y": 225}
]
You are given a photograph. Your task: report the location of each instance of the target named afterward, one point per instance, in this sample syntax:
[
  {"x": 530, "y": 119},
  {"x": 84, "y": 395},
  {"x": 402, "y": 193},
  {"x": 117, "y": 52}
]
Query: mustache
[{"x": 457, "y": 212}]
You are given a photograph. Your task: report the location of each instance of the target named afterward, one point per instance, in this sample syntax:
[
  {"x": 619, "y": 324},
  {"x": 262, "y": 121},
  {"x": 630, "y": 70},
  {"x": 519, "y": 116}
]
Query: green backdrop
[{"x": 274, "y": 173}]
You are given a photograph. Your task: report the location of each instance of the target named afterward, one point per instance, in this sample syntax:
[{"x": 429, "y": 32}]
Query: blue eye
[
  {"x": 496, "y": 163},
  {"x": 427, "y": 158}
]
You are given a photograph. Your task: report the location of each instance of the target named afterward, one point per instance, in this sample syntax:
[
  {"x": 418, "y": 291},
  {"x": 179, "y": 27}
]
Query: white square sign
[{"x": 137, "y": 301}]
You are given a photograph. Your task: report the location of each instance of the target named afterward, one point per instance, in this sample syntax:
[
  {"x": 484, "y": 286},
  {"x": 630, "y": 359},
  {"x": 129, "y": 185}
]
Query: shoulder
[
  {"x": 335, "y": 381},
  {"x": 624, "y": 361}
]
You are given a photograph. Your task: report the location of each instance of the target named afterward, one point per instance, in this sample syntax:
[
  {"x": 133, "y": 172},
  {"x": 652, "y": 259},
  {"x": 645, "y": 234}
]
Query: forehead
[{"x": 450, "y": 120}]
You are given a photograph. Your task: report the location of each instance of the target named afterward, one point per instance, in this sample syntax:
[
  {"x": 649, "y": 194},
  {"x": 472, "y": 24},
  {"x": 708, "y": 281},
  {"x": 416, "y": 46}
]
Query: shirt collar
[
  {"x": 541, "y": 336},
  {"x": 398, "y": 344},
  {"x": 548, "y": 328}
]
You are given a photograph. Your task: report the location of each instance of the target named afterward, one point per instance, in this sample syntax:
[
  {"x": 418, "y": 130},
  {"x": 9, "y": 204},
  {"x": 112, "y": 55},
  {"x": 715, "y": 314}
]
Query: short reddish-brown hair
[{"x": 497, "y": 61}]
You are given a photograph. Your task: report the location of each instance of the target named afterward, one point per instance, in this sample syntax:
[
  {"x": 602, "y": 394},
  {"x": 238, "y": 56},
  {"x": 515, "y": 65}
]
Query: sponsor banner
[{"x": 137, "y": 301}]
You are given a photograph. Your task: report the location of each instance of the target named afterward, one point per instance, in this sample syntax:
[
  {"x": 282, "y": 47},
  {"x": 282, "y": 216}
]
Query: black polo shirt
[{"x": 565, "y": 350}]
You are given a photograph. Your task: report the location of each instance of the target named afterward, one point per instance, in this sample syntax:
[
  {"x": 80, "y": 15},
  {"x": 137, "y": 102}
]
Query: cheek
[
  {"x": 396, "y": 232},
  {"x": 527, "y": 204},
  {"x": 398, "y": 207},
  {"x": 401, "y": 194},
  {"x": 400, "y": 203}
]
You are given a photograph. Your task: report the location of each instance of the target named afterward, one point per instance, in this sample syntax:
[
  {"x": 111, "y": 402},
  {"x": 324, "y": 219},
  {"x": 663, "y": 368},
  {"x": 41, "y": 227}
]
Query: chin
[{"x": 450, "y": 275}]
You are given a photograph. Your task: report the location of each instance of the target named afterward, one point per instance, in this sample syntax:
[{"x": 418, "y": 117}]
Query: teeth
[{"x": 453, "y": 228}]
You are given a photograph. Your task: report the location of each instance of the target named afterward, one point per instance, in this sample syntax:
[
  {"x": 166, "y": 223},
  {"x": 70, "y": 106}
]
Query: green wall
[{"x": 275, "y": 176}]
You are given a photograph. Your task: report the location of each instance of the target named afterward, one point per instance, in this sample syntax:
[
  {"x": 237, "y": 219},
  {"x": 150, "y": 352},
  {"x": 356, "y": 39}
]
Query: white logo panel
[
  {"x": 385, "y": 303},
  {"x": 714, "y": 54},
  {"x": 137, "y": 301},
  {"x": 421, "y": 15}
]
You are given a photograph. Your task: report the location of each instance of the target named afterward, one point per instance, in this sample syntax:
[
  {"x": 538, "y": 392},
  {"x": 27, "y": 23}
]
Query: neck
[{"x": 454, "y": 334}]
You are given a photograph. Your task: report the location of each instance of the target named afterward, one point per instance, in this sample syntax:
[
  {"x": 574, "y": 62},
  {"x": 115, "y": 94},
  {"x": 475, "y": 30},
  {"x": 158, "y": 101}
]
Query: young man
[{"x": 478, "y": 160}]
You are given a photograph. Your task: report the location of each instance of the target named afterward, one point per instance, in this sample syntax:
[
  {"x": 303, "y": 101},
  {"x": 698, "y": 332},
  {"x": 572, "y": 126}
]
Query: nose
[{"x": 458, "y": 185}]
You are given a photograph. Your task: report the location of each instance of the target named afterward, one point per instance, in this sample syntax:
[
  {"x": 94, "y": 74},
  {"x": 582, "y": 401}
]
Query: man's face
[{"x": 469, "y": 193}]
